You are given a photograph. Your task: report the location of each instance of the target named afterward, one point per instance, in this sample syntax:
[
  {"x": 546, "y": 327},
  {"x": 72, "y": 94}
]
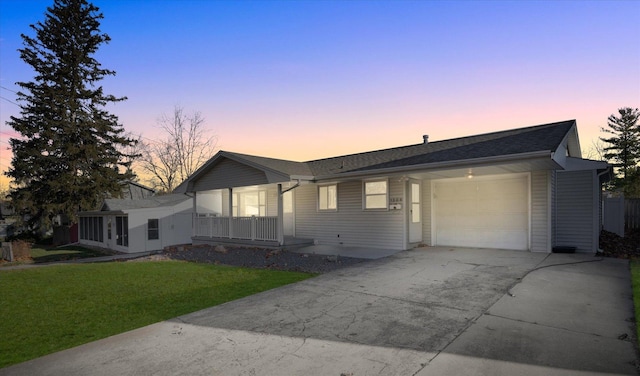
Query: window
[
  {"x": 375, "y": 194},
  {"x": 153, "y": 230},
  {"x": 328, "y": 197},
  {"x": 415, "y": 203},
  {"x": 248, "y": 204},
  {"x": 91, "y": 229}
]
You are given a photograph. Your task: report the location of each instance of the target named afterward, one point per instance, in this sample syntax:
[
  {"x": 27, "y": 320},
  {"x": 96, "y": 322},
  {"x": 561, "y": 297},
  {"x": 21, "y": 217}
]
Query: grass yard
[
  {"x": 41, "y": 254},
  {"x": 635, "y": 284},
  {"x": 52, "y": 308}
]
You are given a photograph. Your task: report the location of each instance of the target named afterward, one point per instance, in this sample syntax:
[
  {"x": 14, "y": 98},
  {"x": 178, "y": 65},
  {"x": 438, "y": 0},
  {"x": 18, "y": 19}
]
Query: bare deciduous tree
[
  {"x": 596, "y": 151},
  {"x": 186, "y": 146}
]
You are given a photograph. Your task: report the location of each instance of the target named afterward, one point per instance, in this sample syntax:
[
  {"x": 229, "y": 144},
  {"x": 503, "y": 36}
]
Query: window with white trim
[
  {"x": 376, "y": 194},
  {"x": 248, "y": 204},
  {"x": 328, "y": 197},
  {"x": 153, "y": 229}
]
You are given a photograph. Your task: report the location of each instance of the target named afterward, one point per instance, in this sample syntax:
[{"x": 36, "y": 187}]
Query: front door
[
  {"x": 415, "y": 211},
  {"x": 122, "y": 231}
]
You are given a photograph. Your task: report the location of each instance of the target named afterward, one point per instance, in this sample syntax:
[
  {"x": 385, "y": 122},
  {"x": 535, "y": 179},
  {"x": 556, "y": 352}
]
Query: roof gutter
[{"x": 441, "y": 165}]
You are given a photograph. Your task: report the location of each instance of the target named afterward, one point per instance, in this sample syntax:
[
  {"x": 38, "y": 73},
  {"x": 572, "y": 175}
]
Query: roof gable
[{"x": 227, "y": 169}]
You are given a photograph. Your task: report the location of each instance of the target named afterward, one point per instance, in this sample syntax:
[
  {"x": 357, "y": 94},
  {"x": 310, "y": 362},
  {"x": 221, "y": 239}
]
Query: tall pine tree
[
  {"x": 68, "y": 157},
  {"x": 623, "y": 147}
]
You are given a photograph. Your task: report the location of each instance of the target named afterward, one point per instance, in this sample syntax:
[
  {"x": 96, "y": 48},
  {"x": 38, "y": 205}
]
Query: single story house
[
  {"x": 521, "y": 189},
  {"x": 137, "y": 225}
]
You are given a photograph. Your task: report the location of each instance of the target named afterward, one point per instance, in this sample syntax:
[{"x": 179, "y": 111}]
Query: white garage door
[{"x": 482, "y": 212}]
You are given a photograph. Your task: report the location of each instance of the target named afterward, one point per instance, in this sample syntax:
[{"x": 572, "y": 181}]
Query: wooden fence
[{"x": 632, "y": 213}]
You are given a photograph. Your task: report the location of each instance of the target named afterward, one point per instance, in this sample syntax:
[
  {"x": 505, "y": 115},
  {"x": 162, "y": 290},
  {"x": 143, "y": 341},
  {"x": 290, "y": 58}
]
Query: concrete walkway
[
  {"x": 357, "y": 252},
  {"x": 431, "y": 311}
]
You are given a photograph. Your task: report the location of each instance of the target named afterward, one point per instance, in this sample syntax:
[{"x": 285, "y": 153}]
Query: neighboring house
[
  {"x": 138, "y": 225},
  {"x": 134, "y": 191},
  {"x": 65, "y": 232},
  {"x": 523, "y": 189}
]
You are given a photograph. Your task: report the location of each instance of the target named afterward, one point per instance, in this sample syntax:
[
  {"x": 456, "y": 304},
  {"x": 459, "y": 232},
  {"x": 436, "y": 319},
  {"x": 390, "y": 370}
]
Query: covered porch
[
  {"x": 254, "y": 231},
  {"x": 240, "y": 199}
]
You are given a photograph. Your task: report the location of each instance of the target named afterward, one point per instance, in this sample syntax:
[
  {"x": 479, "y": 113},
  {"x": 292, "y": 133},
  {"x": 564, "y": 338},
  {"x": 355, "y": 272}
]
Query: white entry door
[
  {"x": 415, "y": 211},
  {"x": 484, "y": 212}
]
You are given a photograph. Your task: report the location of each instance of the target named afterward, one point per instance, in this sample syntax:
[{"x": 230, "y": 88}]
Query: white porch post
[
  {"x": 194, "y": 221},
  {"x": 230, "y": 212},
  {"x": 280, "y": 224}
]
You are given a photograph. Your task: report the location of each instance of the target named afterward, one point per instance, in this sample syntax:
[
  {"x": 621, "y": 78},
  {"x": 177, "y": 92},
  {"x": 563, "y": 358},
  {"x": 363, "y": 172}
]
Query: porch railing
[{"x": 250, "y": 228}]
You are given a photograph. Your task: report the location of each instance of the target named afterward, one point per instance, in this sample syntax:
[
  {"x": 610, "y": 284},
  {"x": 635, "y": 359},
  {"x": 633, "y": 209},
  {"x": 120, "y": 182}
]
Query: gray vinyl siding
[
  {"x": 426, "y": 212},
  {"x": 553, "y": 188},
  {"x": 576, "y": 214},
  {"x": 228, "y": 173},
  {"x": 540, "y": 211},
  {"x": 272, "y": 202},
  {"x": 350, "y": 225}
]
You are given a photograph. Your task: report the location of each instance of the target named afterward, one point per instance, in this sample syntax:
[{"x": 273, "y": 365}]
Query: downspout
[
  {"x": 600, "y": 207},
  {"x": 281, "y": 210},
  {"x": 280, "y": 223},
  {"x": 292, "y": 188}
]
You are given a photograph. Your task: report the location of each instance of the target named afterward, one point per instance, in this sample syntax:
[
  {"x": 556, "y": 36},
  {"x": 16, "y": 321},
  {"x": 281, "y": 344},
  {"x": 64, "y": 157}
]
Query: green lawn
[
  {"x": 42, "y": 254},
  {"x": 635, "y": 283},
  {"x": 52, "y": 308},
  {"x": 73, "y": 252}
]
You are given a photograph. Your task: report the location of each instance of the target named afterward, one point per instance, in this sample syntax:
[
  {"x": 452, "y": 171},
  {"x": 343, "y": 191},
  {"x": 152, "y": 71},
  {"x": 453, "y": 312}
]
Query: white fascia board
[
  {"x": 442, "y": 165},
  {"x": 302, "y": 178}
]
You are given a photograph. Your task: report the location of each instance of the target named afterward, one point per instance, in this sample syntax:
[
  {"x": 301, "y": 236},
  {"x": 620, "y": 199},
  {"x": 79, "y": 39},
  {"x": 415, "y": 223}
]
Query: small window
[
  {"x": 153, "y": 231},
  {"x": 328, "y": 197},
  {"x": 375, "y": 194}
]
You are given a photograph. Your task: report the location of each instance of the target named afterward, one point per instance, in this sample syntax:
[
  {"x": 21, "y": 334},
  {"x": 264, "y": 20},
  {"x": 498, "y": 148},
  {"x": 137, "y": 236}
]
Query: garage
[{"x": 483, "y": 212}]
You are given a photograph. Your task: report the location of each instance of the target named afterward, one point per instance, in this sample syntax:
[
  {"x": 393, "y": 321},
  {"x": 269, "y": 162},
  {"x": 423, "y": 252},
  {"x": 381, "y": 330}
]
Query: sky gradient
[{"x": 304, "y": 80}]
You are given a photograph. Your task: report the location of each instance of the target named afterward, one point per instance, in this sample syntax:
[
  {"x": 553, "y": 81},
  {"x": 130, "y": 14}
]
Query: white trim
[
  {"x": 328, "y": 209},
  {"x": 364, "y": 194}
]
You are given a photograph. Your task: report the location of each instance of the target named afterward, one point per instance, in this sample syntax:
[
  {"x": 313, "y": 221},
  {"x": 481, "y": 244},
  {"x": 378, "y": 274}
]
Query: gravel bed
[
  {"x": 613, "y": 245},
  {"x": 261, "y": 258}
]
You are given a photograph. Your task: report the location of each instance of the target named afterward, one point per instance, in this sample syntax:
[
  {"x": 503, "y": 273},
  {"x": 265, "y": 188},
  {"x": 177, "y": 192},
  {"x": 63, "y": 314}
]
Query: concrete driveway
[{"x": 430, "y": 311}]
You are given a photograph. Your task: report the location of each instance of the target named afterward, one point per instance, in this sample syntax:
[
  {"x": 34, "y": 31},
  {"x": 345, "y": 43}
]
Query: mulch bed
[
  {"x": 613, "y": 245},
  {"x": 260, "y": 258}
]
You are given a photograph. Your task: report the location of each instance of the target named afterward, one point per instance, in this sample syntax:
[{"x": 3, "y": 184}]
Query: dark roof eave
[{"x": 442, "y": 165}]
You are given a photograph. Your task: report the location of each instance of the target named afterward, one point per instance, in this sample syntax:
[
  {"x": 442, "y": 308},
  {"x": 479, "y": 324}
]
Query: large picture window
[
  {"x": 376, "y": 194},
  {"x": 247, "y": 204},
  {"x": 153, "y": 230},
  {"x": 328, "y": 197}
]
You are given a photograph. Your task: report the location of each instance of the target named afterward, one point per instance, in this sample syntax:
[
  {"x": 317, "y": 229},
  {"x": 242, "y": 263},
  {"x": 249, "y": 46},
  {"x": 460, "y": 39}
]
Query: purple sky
[{"x": 305, "y": 80}]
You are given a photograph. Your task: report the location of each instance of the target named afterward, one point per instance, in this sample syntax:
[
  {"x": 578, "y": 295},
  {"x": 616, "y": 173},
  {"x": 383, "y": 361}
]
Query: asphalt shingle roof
[
  {"x": 516, "y": 141},
  {"x": 281, "y": 165},
  {"x": 546, "y": 137},
  {"x": 114, "y": 204}
]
